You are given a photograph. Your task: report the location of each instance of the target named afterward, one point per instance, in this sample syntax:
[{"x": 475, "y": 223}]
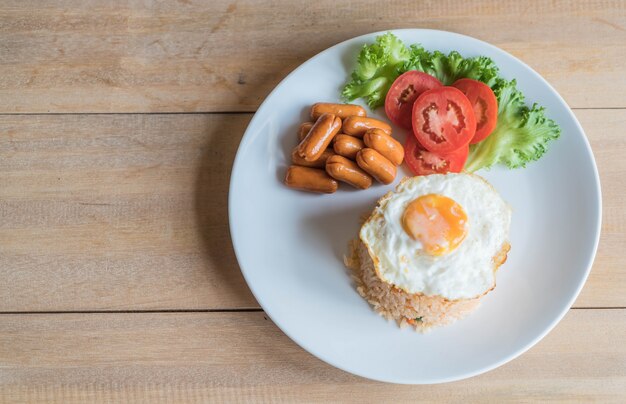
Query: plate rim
[{"x": 514, "y": 354}]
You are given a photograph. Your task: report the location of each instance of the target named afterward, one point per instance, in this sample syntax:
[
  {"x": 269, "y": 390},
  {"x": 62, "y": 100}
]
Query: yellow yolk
[{"x": 437, "y": 221}]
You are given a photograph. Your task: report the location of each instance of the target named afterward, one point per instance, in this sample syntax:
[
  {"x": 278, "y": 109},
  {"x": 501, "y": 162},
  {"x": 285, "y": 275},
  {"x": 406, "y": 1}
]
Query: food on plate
[
  {"x": 389, "y": 147},
  {"x": 340, "y": 110},
  {"x": 403, "y": 93},
  {"x": 521, "y": 135},
  {"x": 437, "y": 221},
  {"x": 347, "y": 146},
  {"x": 342, "y": 169},
  {"x": 310, "y": 179},
  {"x": 430, "y": 250},
  {"x": 484, "y": 104},
  {"x": 303, "y": 130},
  {"x": 358, "y": 125},
  {"x": 298, "y": 160},
  {"x": 378, "y": 65},
  {"x": 319, "y": 137},
  {"x": 522, "y": 132},
  {"x": 424, "y": 162},
  {"x": 443, "y": 120},
  {"x": 376, "y": 165},
  {"x": 330, "y": 155}
]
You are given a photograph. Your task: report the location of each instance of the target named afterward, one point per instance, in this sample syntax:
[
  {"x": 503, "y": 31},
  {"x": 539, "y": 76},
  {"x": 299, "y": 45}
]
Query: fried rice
[{"x": 417, "y": 310}]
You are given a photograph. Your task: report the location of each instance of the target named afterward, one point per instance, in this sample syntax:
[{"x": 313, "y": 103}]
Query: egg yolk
[{"x": 437, "y": 221}]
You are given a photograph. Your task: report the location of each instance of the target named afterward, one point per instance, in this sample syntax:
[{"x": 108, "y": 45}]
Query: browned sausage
[
  {"x": 304, "y": 130},
  {"x": 319, "y": 137},
  {"x": 310, "y": 179},
  {"x": 347, "y": 146},
  {"x": 340, "y": 110},
  {"x": 319, "y": 163},
  {"x": 389, "y": 147},
  {"x": 342, "y": 169},
  {"x": 358, "y": 125},
  {"x": 373, "y": 163}
]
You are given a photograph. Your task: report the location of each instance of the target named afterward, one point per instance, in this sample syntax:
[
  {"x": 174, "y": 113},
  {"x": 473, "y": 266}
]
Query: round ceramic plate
[{"x": 290, "y": 245}]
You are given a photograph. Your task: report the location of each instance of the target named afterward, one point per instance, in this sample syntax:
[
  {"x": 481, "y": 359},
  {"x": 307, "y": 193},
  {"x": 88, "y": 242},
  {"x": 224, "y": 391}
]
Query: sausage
[
  {"x": 342, "y": 169},
  {"x": 319, "y": 163},
  {"x": 310, "y": 179},
  {"x": 304, "y": 130},
  {"x": 347, "y": 146},
  {"x": 358, "y": 125},
  {"x": 319, "y": 137},
  {"x": 373, "y": 163},
  {"x": 340, "y": 110},
  {"x": 389, "y": 147}
]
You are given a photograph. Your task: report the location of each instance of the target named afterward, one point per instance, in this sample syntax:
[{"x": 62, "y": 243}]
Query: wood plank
[
  {"x": 233, "y": 357},
  {"x": 118, "y": 212},
  {"x": 128, "y": 212},
  {"x": 226, "y": 55}
]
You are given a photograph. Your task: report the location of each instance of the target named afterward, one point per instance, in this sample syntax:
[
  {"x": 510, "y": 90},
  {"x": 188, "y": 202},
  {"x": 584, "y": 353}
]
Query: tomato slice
[
  {"x": 443, "y": 120},
  {"x": 423, "y": 162},
  {"x": 403, "y": 93},
  {"x": 485, "y": 106}
]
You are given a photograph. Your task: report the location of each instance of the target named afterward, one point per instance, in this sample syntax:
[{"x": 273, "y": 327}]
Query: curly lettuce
[
  {"x": 522, "y": 133},
  {"x": 378, "y": 65}
]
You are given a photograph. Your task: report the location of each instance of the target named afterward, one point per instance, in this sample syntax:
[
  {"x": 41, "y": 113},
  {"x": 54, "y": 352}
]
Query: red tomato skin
[
  {"x": 423, "y": 162},
  {"x": 485, "y": 105},
  {"x": 440, "y": 106},
  {"x": 403, "y": 93}
]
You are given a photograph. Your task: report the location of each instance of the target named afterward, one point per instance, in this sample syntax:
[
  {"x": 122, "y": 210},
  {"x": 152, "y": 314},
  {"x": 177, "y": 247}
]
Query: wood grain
[
  {"x": 118, "y": 212},
  {"x": 605, "y": 133},
  {"x": 234, "y": 357},
  {"x": 226, "y": 55},
  {"x": 128, "y": 212},
  {"x": 125, "y": 212}
]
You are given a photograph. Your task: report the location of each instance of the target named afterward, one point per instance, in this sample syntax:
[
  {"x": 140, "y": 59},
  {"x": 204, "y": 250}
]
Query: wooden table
[{"x": 118, "y": 128}]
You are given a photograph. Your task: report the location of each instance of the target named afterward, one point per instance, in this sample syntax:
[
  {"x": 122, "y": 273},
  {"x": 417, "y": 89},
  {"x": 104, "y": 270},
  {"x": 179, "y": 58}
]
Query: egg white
[{"x": 466, "y": 272}]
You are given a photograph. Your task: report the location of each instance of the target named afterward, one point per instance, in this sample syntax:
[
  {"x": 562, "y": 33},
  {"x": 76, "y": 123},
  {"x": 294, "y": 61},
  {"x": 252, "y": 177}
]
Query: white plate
[{"x": 290, "y": 244}]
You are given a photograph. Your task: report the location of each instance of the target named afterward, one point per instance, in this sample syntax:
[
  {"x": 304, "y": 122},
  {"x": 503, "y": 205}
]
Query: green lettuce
[
  {"x": 522, "y": 133},
  {"x": 378, "y": 65}
]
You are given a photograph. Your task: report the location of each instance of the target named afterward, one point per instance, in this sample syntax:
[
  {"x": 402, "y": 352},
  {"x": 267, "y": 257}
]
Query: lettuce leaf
[
  {"x": 451, "y": 67},
  {"x": 522, "y": 132},
  {"x": 378, "y": 65}
]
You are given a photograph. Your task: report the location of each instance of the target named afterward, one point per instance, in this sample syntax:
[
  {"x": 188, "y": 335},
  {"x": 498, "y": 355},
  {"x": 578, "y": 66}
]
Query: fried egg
[{"x": 438, "y": 235}]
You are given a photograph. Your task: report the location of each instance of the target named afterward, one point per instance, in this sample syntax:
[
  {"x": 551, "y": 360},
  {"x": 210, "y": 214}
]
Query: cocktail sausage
[
  {"x": 319, "y": 137},
  {"x": 304, "y": 130},
  {"x": 319, "y": 163},
  {"x": 389, "y": 147},
  {"x": 347, "y": 146},
  {"x": 358, "y": 125},
  {"x": 310, "y": 179},
  {"x": 342, "y": 169},
  {"x": 373, "y": 163},
  {"x": 340, "y": 110}
]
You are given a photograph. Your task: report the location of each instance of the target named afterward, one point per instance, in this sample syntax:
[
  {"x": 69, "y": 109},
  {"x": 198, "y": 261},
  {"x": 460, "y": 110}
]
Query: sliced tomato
[
  {"x": 403, "y": 93},
  {"x": 485, "y": 106},
  {"x": 423, "y": 162},
  {"x": 443, "y": 120}
]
